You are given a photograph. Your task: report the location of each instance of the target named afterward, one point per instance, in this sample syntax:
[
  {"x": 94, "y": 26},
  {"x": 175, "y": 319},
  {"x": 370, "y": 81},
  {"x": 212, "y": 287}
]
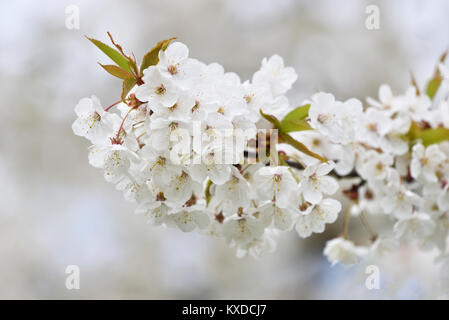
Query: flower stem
[
  {"x": 367, "y": 226},
  {"x": 346, "y": 222},
  {"x": 115, "y": 103}
]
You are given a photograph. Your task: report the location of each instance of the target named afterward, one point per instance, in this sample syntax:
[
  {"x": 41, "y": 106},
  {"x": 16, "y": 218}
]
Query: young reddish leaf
[
  {"x": 117, "y": 71},
  {"x": 151, "y": 58},
  {"x": 131, "y": 59},
  {"x": 434, "y": 84},
  {"x": 414, "y": 83},
  {"x": 127, "y": 85},
  {"x": 115, "y": 56}
]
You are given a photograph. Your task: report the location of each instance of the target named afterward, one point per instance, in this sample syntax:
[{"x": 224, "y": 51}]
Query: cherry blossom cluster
[
  {"x": 392, "y": 159},
  {"x": 178, "y": 148},
  {"x": 184, "y": 143}
]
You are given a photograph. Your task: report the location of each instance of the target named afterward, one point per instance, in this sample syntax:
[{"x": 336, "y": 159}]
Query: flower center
[
  {"x": 322, "y": 118},
  {"x": 219, "y": 217},
  {"x": 369, "y": 195},
  {"x": 172, "y": 69},
  {"x": 379, "y": 166},
  {"x": 160, "y": 90},
  {"x": 425, "y": 161},
  {"x": 173, "y": 107},
  {"x": 160, "y": 197},
  {"x": 173, "y": 126},
  {"x": 304, "y": 206},
  {"x": 96, "y": 116},
  {"x": 196, "y": 106},
  {"x": 372, "y": 127}
]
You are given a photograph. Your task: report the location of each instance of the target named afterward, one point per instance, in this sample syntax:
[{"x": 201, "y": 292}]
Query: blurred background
[{"x": 56, "y": 210}]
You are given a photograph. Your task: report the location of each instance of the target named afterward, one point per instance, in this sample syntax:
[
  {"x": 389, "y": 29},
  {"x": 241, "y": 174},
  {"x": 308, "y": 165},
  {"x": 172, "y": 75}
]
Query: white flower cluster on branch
[
  {"x": 397, "y": 148},
  {"x": 198, "y": 149}
]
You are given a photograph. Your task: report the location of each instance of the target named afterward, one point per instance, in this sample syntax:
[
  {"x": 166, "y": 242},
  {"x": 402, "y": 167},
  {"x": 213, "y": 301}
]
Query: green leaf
[
  {"x": 300, "y": 147},
  {"x": 295, "y": 120},
  {"x": 117, "y": 71},
  {"x": 207, "y": 194},
  {"x": 151, "y": 58},
  {"x": 127, "y": 85},
  {"x": 295, "y": 125},
  {"x": 275, "y": 121},
  {"x": 434, "y": 135},
  {"x": 413, "y": 133},
  {"x": 299, "y": 113},
  {"x": 115, "y": 56},
  {"x": 434, "y": 84},
  {"x": 286, "y": 138}
]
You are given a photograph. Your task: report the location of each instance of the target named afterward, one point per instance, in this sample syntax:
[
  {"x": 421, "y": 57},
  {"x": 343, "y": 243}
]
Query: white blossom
[
  {"x": 275, "y": 184},
  {"x": 314, "y": 222},
  {"x": 316, "y": 182},
  {"x": 336, "y": 120},
  {"x": 425, "y": 162},
  {"x": 417, "y": 226},
  {"x": 157, "y": 89},
  {"x": 274, "y": 73},
  {"x": 343, "y": 251},
  {"x": 93, "y": 122}
]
